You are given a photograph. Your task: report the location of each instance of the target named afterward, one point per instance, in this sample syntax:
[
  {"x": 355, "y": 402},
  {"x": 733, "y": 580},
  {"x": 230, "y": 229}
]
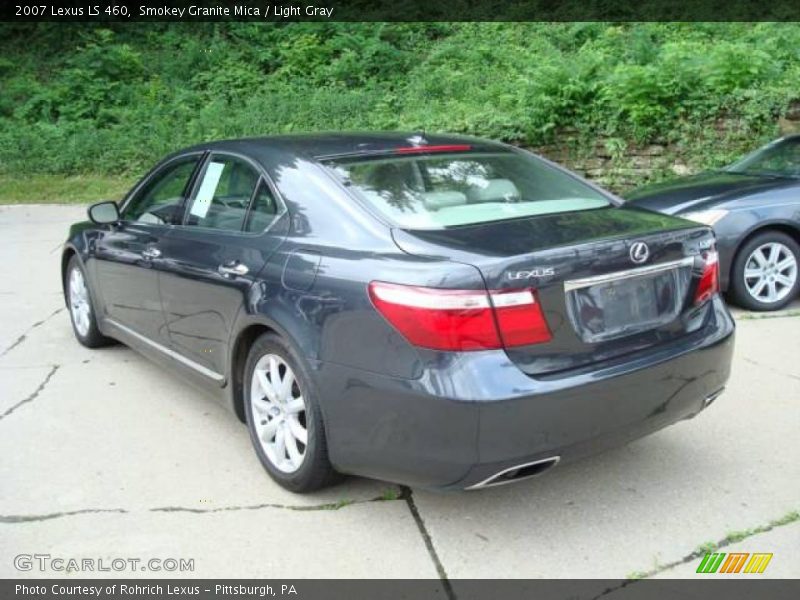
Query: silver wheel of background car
[
  {"x": 770, "y": 272},
  {"x": 279, "y": 413},
  {"x": 79, "y": 304}
]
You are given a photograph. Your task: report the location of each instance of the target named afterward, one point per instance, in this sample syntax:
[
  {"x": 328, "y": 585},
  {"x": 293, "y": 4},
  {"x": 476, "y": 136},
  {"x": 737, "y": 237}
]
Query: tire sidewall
[
  {"x": 93, "y": 337},
  {"x": 314, "y": 471},
  {"x": 740, "y": 293}
]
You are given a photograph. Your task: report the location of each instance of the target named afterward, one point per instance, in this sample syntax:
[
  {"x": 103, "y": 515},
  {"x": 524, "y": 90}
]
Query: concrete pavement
[{"x": 104, "y": 454}]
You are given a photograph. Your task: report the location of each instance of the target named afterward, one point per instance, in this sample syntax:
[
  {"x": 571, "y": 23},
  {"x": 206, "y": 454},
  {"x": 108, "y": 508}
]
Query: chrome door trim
[
  {"x": 239, "y": 269},
  {"x": 576, "y": 284},
  {"x": 169, "y": 352}
]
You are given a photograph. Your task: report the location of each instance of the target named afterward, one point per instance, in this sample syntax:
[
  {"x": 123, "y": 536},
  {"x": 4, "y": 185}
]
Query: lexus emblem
[{"x": 639, "y": 252}]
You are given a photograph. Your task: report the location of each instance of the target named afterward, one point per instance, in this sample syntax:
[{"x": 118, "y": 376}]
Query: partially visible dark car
[
  {"x": 438, "y": 311},
  {"x": 754, "y": 207}
]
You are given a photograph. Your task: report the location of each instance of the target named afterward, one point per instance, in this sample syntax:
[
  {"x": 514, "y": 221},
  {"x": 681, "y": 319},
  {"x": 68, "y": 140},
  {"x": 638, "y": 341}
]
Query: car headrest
[
  {"x": 439, "y": 200},
  {"x": 495, "y": 190}
]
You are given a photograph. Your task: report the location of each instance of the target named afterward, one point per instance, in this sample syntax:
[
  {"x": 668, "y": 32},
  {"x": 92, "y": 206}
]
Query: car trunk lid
[{"x": 599, "y": 302}]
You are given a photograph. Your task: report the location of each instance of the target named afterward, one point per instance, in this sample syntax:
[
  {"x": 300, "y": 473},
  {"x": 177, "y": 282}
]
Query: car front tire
[
  {"x": 81, "y": 309},
  {"x": 284, "y": 418},
  {"x": 765, "y": 272}
]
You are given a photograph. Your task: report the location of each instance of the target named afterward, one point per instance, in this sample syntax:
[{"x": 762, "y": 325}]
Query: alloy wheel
[
  {"x": 279, "y": 413},
  {"x": 79, "y": 304},
  {"x": 770, "y": 272}
]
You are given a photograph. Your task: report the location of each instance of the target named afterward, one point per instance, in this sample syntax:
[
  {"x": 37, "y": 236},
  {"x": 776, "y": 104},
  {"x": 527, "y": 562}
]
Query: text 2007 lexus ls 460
[{"x": 439, "y": 311}]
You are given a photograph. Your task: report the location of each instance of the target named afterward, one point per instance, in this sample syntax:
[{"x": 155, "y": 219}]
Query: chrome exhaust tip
[
  {"x": 709, "y": 399},
  {"x": 518, "y": 473}
]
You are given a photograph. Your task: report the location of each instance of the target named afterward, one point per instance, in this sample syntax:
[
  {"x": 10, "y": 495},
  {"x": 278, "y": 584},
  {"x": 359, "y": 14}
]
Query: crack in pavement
[
  {"x": 24, "y": 336},
  {"x": 330, "y": 506},
  {"x": 408, "y": 496},
  {"x": 731, "y": 538},
  {"x": 35, "y": 393},
  {"x": 759, "y": 317},
  {"x": 47, "y": 517},
  {"x": 771, "y": 369},
  {"x": 311, "y": 507}
]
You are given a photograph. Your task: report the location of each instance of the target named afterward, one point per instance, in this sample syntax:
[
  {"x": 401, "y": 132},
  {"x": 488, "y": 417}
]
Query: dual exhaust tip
[
  {"x": 709, "y": 399},
  {"x": 518, "y": 473},
  {"x": 537, "y": 467}
]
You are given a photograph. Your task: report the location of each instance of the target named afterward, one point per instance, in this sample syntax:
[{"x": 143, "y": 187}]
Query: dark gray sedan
[
  {"x": 754, "y": 208},
  {"x": 433, "y": 310}
]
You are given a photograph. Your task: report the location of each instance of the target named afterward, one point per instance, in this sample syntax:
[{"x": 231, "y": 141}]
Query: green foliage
[
  {"x": 706, "y": 548},
  {"x": 47, "y": 189},
  {"x": 110, "y": 99},
  {"x": 390, "y": 494}
]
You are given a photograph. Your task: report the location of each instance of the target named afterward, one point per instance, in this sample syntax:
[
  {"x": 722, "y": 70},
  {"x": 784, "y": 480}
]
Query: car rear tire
[
  {"x": 765, "y": 272},
  {"x": 81, "y": 309},
  {"x": 284, "y": 417}
]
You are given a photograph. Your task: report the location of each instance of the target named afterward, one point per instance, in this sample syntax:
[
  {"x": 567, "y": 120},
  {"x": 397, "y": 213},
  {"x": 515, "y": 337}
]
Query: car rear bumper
[{"x": 476, "y": 415}]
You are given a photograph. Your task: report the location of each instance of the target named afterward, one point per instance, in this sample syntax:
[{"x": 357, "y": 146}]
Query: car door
[
  {"x": 230, "y": 228},
  {"x": 128, "y": 256}
]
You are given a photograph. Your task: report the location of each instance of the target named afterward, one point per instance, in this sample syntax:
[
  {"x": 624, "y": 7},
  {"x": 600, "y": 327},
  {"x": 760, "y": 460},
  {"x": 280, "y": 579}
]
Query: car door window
[
  {"x": 264, "y": 210},
  {"x": 223, "y": 194},
  {"x": 160, "y": 200}
]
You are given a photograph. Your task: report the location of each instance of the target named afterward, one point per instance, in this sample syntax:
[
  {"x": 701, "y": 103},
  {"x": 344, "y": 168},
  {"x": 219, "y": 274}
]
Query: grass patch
[
  {"x": 62, "y": 189},
  {"x": 789, "y": 517},
  {"x": 706, "y": 548},
  {"x": 731, "y": 537},
  {"x": 390, "y": 494},
  {"x": 738, "y": 535}
]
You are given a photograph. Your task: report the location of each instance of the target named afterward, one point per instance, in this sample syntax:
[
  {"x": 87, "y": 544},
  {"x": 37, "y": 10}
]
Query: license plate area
[{"x": 615, "y": 308}]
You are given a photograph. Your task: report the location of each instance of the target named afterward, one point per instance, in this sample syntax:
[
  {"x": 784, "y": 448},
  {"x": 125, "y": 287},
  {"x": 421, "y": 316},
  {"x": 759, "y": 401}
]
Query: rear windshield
[{"x": 445, "y": 190}]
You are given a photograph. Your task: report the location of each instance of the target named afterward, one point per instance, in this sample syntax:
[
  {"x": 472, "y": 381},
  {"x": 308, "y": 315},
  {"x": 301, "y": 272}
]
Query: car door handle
[
  {"x": 151, "y": 252},
  {"x": 232, "y": 269}
]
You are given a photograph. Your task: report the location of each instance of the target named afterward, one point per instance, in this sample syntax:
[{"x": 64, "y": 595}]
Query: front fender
[{"x": 80, "y": 243}]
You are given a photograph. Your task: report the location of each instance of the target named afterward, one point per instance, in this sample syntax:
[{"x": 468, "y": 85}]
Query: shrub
[{"x": 109, "y": 98}]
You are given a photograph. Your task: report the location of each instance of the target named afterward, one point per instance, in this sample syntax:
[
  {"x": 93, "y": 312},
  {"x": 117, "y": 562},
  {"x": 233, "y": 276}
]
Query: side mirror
[{"x": 104, "y": 213}]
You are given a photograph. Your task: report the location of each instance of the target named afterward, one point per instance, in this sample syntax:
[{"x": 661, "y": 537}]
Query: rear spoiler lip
[{"x": 401, "y": 151}]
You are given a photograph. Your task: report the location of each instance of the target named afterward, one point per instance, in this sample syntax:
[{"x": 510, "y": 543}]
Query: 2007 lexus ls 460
[{"x": 440, "y": 311}]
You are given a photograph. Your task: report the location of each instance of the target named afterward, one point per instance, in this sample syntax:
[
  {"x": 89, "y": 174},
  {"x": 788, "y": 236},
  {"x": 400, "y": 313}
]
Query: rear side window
[
  {"x": 263, "y": 211},
  {"x": 223, "y": 194},
  {"x": 435, "y": 191}
]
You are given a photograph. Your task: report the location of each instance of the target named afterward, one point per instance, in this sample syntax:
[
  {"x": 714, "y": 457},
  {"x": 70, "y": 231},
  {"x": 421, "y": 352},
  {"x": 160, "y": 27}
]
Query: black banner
[
  {"x": 400, "y": 10},
  {"x": 336, "y": 589}
]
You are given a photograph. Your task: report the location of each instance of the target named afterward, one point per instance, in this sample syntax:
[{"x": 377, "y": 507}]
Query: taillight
[
  {"x": 519, "y": 318},
  {"x": 709, "y": 280},
  {"x": 461, "y": 319}
]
